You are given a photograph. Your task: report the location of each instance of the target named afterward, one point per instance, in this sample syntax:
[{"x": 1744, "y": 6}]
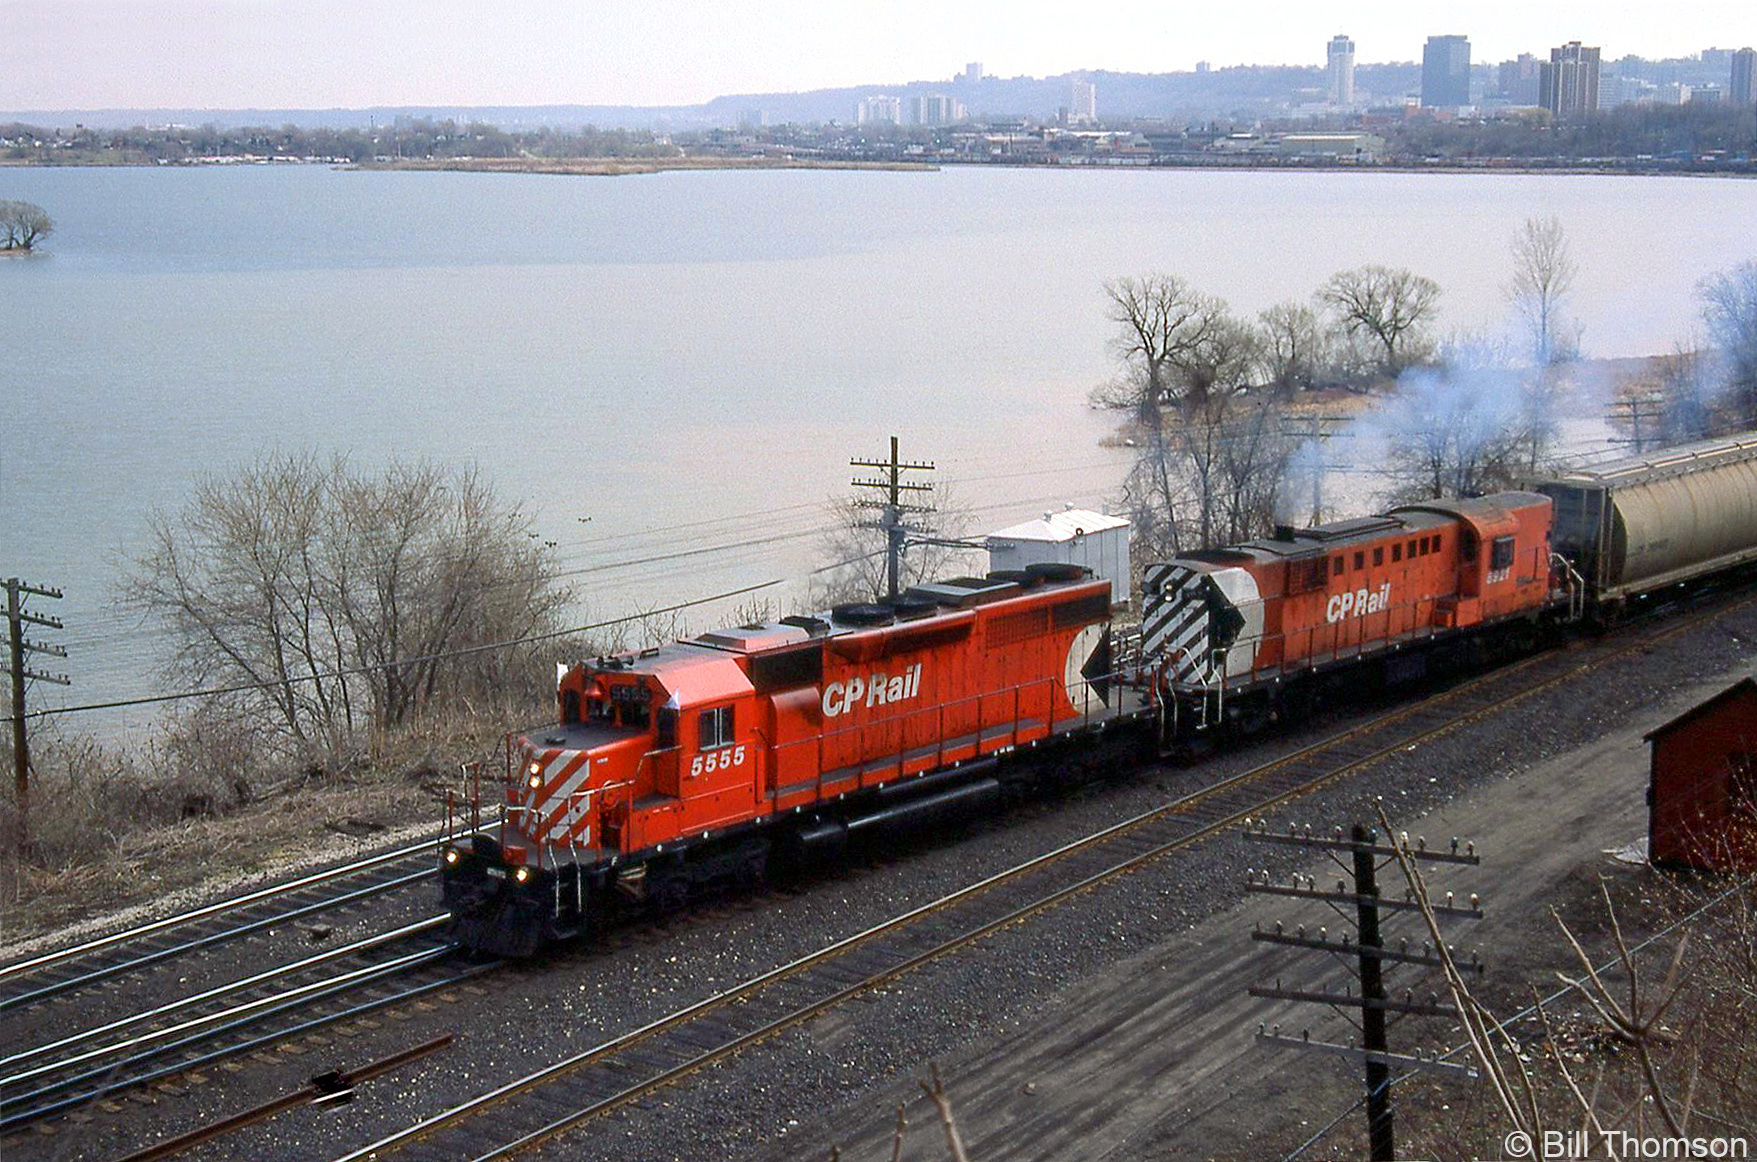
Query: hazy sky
[{"x": 73, "y": 54}]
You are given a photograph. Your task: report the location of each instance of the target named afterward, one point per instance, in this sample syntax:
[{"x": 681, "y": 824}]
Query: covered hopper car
[{"x": 1646, "y": 522}]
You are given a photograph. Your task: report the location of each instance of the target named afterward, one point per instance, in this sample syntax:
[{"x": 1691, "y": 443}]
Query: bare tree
[
  {"x": 1292, "y": 347},
  {"x": 1385, "y": 309},
  {"x": 1729, "y": 307},
  {"x": 1219, "y": 361},
  {"x": 1213, "y": 478},
  {"x": 331, "y": 601},
  {"x": 854, "y": 549},
  {"x": 1543, "y": 274},
  {"x": 22, "y": 225},
  {"x": 1163, "y": 326}
]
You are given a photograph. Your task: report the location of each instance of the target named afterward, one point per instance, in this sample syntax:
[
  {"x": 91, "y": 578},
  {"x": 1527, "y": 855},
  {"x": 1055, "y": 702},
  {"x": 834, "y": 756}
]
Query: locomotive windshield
[{"x": 621, "y": 705}]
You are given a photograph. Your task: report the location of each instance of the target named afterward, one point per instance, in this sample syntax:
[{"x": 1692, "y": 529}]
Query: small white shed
[{"x": 1074, "y": 536}]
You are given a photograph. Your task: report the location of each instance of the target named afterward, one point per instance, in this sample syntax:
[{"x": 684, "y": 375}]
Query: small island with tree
[{"x": 22, "y": 226}]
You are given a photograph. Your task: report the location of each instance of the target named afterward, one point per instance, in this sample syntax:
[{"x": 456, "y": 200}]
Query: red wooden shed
[{"x": 1702, "y": 794}]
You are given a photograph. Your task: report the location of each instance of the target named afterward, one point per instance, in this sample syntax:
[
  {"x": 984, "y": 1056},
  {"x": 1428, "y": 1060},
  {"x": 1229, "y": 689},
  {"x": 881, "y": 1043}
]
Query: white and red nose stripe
[{"x": 556, "y": 807}]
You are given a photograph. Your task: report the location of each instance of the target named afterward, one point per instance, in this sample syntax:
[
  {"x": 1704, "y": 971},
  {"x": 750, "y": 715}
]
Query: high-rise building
[
  {"x": 1739, "y": 89},
  {"x": 1082, "y": 102},
  {"x": 972, "y": 73},
  {"x": 1518, "y": 81},
  {"x": 1445, "y": 72},
  {"x": 935, "y": 109},
  {"x": 1569, "y": 84},
  {"x": 879, "y": 110},
  {"x": 1341, "y": 70}
]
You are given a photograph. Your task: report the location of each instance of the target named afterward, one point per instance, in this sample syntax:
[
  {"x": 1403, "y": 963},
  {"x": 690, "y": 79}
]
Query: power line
[{"x": 400, "y": 662}]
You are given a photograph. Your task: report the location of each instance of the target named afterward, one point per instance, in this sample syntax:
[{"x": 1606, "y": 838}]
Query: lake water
[{"x": 689, "y": 359}]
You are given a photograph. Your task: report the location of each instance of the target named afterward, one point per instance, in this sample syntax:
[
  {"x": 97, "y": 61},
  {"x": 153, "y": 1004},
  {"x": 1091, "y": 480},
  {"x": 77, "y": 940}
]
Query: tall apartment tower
[
  {"x": 1445, "y": 72},
  {"x": 1568, "y": 86},
  {"x": 1341, "y": 70},
  {"x": 1521, "y": 80},
  {"x": 1082, "y": 102},
  {"x": 1739, "y": 89}
]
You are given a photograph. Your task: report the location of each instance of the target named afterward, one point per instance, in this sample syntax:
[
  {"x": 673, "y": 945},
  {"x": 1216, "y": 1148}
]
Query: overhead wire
[{"x": 353, "y": 671}]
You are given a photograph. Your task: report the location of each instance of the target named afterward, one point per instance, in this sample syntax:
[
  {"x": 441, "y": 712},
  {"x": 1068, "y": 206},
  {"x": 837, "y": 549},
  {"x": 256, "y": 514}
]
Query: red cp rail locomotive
[{"x": 691, "y": 762}]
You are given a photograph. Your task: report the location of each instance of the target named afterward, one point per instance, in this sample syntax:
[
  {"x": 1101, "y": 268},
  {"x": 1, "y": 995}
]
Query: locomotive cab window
[
  {"x": 1336, "y": 567},
  {"x": 667, "y": 728},
  {"x": 1501, "y": 553},
  {"x": 1379, "y": 556},
  {"x": 715, "y": 728},
  {"x": 1396, "y": 552},
  {"x": 1360, "y": 560}
]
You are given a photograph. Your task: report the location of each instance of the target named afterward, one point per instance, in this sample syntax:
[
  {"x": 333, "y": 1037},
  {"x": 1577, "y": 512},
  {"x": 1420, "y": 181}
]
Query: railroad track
[
  {"x": 551, "y": 1101},
  {"x": 236, "y": 1017},
  {"x": 35, "y": 979}
]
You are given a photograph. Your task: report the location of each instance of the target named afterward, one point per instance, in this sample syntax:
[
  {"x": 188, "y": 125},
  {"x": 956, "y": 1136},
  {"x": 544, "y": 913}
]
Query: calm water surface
[{"x": 689, "y": 359}]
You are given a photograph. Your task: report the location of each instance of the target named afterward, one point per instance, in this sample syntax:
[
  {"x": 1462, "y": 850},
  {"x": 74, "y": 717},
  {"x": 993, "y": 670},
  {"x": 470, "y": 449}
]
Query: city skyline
[{"x": 72, "y": 54}]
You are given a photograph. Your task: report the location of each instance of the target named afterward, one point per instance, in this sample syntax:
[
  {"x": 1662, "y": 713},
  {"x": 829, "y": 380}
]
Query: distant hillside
[{"x": 1245, "y": 91}]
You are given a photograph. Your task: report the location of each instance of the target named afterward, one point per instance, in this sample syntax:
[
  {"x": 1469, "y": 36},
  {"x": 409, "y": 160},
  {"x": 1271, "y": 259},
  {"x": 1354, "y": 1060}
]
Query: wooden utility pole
[
  {"x": 893, "y": 506},
  {"x": 1374, "y": 1003},
  {"x": 17, "y": 617},
  {"x": 1315, "y": 430}
]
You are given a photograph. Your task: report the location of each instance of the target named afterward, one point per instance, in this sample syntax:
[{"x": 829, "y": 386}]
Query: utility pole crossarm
[
  {"x": 1358, "y": 899},
  {"x": 1346, "y": 947},
  {"x": 1353, "y": 1001},
  {"x": 1371, "y": 1056},
  {"x": 893, "y": 485},
  {"x": 1325, "y": 843}
]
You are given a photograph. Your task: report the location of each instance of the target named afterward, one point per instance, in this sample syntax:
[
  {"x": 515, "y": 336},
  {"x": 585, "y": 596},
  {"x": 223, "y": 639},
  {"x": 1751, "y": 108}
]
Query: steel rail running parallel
[
  {"x": 571, "y": 1084},
  {"x": 48, "y": 960},
  {"x": 96, "y": 1072}
]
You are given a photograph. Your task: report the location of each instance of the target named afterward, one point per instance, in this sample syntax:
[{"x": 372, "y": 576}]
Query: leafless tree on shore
[
  {"x": 1544, "y": 271},
  {"x": 327, "y": 601},
  {"x": 1385, "y": 309}
]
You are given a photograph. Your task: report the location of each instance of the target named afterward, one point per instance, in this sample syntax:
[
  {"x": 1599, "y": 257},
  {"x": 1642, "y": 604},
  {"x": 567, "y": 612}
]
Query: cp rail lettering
[{"x": 879, "y": 690}]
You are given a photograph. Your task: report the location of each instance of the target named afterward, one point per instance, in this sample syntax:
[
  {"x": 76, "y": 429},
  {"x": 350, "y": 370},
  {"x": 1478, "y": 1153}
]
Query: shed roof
[
  {"x": 1060, "y": 526},
  {"x": 1745, "y": 686}
]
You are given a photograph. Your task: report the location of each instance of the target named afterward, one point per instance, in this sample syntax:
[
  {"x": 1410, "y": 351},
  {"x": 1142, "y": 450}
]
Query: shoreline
[{"x": 617, "y": 167}]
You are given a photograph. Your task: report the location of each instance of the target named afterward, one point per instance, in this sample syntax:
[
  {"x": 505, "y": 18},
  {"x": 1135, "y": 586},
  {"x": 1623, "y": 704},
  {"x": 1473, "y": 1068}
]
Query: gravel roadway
[{"x": 1113, "y": 1025}]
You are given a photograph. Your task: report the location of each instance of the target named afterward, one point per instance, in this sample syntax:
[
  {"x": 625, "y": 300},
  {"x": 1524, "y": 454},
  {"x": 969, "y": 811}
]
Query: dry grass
[{"x": 204, "y": 808}]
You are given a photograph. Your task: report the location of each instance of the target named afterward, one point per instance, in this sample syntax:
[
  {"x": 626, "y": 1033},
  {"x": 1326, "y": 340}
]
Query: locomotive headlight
[
  {"x": 534, "y": 781},
  {"x": 451, "y": 855},
  {"x": 534, "y": 769},
  {"x": 522, "y": 874}
]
